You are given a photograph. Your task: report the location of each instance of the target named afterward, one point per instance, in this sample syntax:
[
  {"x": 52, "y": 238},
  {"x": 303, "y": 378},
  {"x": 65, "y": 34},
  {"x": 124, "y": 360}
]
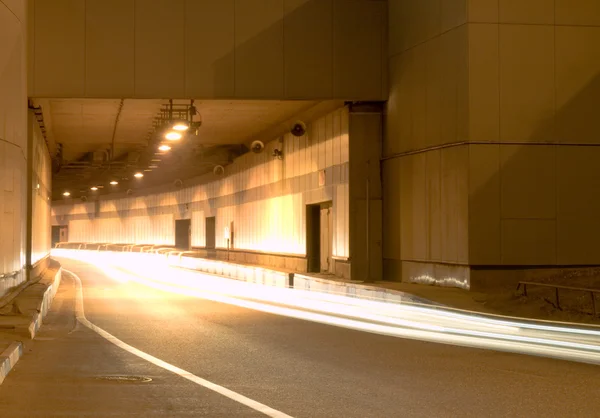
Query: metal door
[{"x": 326, "y": 234}]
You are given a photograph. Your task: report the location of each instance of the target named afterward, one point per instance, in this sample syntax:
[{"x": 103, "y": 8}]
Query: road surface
[{"x": 290, "y": 366}]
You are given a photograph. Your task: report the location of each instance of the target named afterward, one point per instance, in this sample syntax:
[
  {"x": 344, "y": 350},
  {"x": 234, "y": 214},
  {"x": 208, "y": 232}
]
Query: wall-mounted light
[
  {"x": 278, "y": 154},
  {"x": 94, "y": 188},
  {"x": 138, "y": 175},
  {"x": 173, "y": 136},
  {"x": 66, "y": 194},
  {"x": 114, "y": 183},
  {"x": 164, "y": 148}
]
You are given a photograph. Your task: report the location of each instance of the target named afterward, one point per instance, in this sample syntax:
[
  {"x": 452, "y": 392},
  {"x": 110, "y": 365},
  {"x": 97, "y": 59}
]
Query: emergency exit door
[
  {"x": 319, "y": 238},
  {"x": 183, "y": 234}
]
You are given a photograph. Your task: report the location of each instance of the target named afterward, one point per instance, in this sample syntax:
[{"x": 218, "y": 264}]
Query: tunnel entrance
[
  {"x": 183, "y": 234},
  {"x": 319, "y": 237}
]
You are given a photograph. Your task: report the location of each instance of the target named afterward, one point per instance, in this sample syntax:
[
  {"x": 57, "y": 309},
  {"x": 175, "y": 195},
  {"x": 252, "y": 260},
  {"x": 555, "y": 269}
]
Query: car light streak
[{"x": 395, "y": 319}]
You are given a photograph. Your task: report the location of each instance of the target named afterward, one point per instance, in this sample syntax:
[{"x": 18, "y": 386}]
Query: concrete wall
[
  {"x": 263, "y": 196},
  {"x": 13, "y": 142},
  {"x": 492, "y": 137},
  {"x": 241, "y": 49},
  {"x": 425, "y": 167}
]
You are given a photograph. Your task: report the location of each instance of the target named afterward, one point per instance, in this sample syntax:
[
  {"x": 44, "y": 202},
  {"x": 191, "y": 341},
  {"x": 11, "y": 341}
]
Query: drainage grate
[{"x": 126, "y": 379}]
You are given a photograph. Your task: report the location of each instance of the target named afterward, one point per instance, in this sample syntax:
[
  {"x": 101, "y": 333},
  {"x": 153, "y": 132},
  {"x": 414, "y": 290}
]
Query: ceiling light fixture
[
  {"x": 114, "y": 182},
  {"x": 66, "y": 194},
  {"x": 164, "y": 148},
  {"x": 173, "y": 136},
  {"x": 181, "y": 126},
  {"x": 94, "y": 188},
  {"x": 138, "y": 175}
]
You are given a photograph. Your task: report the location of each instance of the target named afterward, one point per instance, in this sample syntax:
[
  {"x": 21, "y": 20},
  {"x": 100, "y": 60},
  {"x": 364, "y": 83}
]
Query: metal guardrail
[{"x": 592, "y": 292}]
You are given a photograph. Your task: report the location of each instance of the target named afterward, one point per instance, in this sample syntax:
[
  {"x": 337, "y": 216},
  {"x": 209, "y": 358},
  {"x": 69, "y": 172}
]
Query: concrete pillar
[
  {"x": 491, "y": 142},
  {"x": 365, "y": 133},
  {"x": 13, "y": 142}
]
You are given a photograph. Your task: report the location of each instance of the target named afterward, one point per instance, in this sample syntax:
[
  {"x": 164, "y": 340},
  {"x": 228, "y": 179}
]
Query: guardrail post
[{"x": 557, "y": 300}]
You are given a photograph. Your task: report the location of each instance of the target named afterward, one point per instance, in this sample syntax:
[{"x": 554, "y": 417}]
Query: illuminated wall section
[
  {"x": 263, "y": 196},
  {"x": 40, "y": 194}
]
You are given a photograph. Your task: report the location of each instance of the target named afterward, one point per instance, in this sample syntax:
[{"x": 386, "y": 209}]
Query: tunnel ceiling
[{"x": 82, "y": 133}]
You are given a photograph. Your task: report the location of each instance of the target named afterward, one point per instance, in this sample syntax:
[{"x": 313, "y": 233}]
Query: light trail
[{"x": 395, "y": 319}]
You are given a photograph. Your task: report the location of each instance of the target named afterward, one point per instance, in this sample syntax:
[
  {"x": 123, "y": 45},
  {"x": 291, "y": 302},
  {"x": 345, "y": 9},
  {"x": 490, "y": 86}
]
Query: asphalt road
[{"x": 300, "y": 368}]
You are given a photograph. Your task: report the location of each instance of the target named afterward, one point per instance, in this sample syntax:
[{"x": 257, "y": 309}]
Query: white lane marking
[{"x": 80, "y": 315}]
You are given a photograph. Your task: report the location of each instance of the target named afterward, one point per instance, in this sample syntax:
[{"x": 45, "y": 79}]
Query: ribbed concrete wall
[{"x": 41, "y": 187}]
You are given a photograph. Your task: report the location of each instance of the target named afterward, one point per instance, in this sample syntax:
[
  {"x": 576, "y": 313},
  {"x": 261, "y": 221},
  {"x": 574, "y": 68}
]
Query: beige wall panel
[
  {"x": 578, "y": 12},
  {"x": 308, "y": 42},
  {"x": 528, "y": 181},
  {"x": 345, "y": 136},
  {"x": 484, "y": 204},
  {"x": 484, "y": 101},
  {"x": 358, "y": 45},
  {"x": 398, "y": 17},
  {"x": 30, "y": 46},
  {"x": 578, "y": 240},
  {"x": 109, "y": 54},
  {"x": 418, "y": 99},
  {"x": 527, "y": 83},
  {"x": 13, "y": 95},
  {"x": 398, "y": 136},
  {"x": 209, "y": 48},
  {"x": 454, "y": 204},
  {"x": 578, "y": 84},
  {"x": 434, "y": 204},
  {"x": 159, "y": 48},
  {"x": 539, "y": 12},
  {"x": 259, "y": 48},
  {"x": 40, "y": 190},
  {"x": 435, "y": 73},
  {"x": 578, "y": 180},
  {"x": 455, "y": 85},
  {"x": 454, "y": 14},
  {"x": 483, "y": 11},
  {"x": 59, "y": 48},
  {"x": 425, "y": 21},
  {"x": 413, "y": 215},
  {"x": 392, "y": 204},
  {"x": 329, "y": 140},
  {"x": 528, "y": 242}
]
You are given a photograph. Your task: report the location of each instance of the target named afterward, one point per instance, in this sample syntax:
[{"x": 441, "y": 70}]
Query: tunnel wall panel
[{"x": 41, "y": 187}]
